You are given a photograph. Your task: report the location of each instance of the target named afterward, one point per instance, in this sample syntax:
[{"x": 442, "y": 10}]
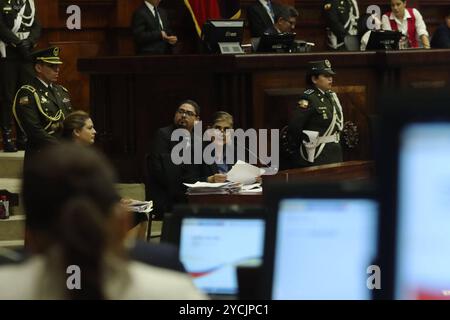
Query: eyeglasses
[{"x": 185, "y": 112}]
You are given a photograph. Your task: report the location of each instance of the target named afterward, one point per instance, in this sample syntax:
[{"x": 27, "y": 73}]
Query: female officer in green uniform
[{"x": 314, "y": 130}]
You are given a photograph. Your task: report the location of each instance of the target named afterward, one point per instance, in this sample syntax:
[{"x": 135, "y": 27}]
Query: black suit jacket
[
  {"x": 259, "y": 19},
  {"x": 164, "y": 178},
  {"x": 146, "y": 32}
]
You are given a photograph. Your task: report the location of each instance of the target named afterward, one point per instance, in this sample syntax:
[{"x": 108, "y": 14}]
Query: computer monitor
[
  {"x": 322, "y": 243},
  {"x": 384, "y": 40},
  {"x": 278, "y": 43},
  {"x": 416, "y": 194},
  {"x": 214, "y": 241},
  {"x": 224, "y": 36}
]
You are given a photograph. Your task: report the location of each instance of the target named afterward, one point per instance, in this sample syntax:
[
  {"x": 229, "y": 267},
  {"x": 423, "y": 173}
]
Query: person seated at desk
[
  {"x": 75, "y": 230},
  {"x": 313, "y": 133},
  {"x": 441, "y": 37},
  {"x": 225, "y": 151},
  {"x": 79, "y": 128},
  {"x": 408, "y": 21},
  {"x": 222, "y": 125},
  {"x": 165, "y": 178},
  {"x": 151, "y": 31},
  {"x": 261, "y": 16},
  {"x": 285, "y": 21}
]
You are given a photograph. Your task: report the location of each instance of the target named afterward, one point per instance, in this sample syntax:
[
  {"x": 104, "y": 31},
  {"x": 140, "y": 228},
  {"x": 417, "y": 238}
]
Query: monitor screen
[
  {"x": 384, "y": 40},
  {"x": 323, "y": 248},
  {"x": 212, "y": 248},
  {"x": 423, "y": 220},
  {"x": 221, "y": 31},
  {"x": 281, "y": 42}
]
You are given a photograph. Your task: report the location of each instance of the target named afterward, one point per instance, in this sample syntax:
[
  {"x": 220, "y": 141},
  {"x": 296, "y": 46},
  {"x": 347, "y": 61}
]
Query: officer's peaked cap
[
  {"x": 49, "y": 55},
  {"x": 320, "y": 67}
]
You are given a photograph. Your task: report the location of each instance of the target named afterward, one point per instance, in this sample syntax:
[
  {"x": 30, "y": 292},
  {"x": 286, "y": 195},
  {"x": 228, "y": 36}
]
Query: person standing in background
[
  {"x": 19, "y": 33},
  {"x": 151, "y": 30}
]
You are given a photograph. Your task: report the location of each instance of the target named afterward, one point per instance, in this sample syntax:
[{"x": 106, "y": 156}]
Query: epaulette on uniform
[
  {"x": 28, "y": 87},
  {"x": 309, "y": 92}
]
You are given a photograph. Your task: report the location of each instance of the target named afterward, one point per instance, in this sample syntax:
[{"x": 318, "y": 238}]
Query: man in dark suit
[
  {"x": 19, "y": 32},
  {"x": 285, "y": 21},
  {"x": 41, "y": 106},
  {"x": 261, "y": 16},
  {"x": 165, "y": 178},
  {"x": 151, "y": 29}
]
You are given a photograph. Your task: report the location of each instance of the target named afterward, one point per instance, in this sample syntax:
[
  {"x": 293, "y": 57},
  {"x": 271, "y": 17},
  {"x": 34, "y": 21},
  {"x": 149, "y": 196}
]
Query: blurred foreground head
[{"x": 71, "y": 204}]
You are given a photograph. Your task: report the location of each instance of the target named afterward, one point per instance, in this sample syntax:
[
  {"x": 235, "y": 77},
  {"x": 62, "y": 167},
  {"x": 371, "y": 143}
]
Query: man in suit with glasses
[
  {"x": 151, "y": 30},
  {"x": 165, "y": 178}
]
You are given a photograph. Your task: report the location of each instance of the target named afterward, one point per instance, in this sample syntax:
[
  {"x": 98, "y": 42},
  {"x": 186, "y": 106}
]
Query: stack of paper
[
  {"x": 212, "y": 188},
  {"x": 251, "y": 189}
]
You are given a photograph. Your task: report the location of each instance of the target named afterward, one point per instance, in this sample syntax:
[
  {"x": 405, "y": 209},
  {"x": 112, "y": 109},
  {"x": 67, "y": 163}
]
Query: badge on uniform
[
  {"x": 43, "y": 100},
  {"x": 65, "y": 100},
  {"x": 303, "y": 104},
  {"x": 24, "y": 100},
  {"x": 327, "y": 6}
]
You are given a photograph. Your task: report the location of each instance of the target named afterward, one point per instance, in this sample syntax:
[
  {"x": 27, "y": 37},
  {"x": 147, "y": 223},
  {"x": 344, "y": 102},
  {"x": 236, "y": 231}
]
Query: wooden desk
[{"x": 133, "y": 96}]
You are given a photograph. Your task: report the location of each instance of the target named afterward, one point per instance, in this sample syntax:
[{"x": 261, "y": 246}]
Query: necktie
[
  {"x": 269, "y": 4},
  {"x": 158, "y": 19}
]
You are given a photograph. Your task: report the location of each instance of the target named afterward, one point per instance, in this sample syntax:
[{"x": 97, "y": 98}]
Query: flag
[{"x": 202, "y": 10}]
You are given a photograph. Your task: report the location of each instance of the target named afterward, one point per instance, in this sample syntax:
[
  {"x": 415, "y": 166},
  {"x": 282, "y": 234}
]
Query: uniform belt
[{"x": 327, "y": 139}]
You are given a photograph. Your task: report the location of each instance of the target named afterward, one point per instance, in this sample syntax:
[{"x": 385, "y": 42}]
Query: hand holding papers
[{"x": 244, "y": 173}]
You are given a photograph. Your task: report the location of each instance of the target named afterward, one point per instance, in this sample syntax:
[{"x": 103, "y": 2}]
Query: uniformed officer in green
[
  {"x": 19, "y": 33},
  {"x": 315, "y": 128},
  {"x": 41, "y": 106},
  {"x": 342, "y": 20}
]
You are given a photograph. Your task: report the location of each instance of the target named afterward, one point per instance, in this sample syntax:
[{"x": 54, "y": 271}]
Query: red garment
[{"x": 412, "y": 39}]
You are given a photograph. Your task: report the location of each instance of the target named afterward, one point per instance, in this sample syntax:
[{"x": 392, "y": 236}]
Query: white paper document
[
  {"x": 140, "y": 206},
  {"x": 244, "y": 173},
  {"x": 200, "y": 184}
]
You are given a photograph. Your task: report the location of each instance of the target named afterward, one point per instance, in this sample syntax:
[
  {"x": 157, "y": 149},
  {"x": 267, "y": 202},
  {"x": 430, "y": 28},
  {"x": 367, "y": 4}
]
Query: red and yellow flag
[{"x": 202, "y": 10}]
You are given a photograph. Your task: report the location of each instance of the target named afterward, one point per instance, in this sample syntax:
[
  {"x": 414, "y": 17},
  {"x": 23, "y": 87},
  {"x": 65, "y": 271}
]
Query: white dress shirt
[{"x": 421, "y": 28}]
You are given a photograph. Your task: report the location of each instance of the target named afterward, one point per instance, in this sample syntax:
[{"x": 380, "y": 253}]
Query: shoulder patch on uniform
[
  {"x": 24, "y": 100},
  {"x": 64, "y": 88},
  {"x": 309, "y": 91},
  {"x": 303, "y": 103},
  {"x": 327, "y": 6}
]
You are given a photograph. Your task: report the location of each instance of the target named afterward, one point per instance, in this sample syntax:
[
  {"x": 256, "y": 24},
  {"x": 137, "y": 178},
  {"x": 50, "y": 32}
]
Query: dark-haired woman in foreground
[{"x": 76, "y": 228}]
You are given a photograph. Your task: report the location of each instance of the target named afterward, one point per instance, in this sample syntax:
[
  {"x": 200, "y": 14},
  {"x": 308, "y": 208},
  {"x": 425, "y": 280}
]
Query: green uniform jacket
[
  {"x": 314, "y": 112},
  {"x": 40, "y": 111}
]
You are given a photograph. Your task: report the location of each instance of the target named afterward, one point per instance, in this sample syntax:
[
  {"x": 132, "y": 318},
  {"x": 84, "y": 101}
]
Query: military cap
[
  {"x": 49, "y": 55},
  {"x": 320, "y": 67}
]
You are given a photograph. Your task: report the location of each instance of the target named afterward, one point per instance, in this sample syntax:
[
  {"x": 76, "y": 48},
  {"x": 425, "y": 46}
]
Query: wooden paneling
[
  {"x": 105, "y": 26},
  {"x": 133, "y": 96}
]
